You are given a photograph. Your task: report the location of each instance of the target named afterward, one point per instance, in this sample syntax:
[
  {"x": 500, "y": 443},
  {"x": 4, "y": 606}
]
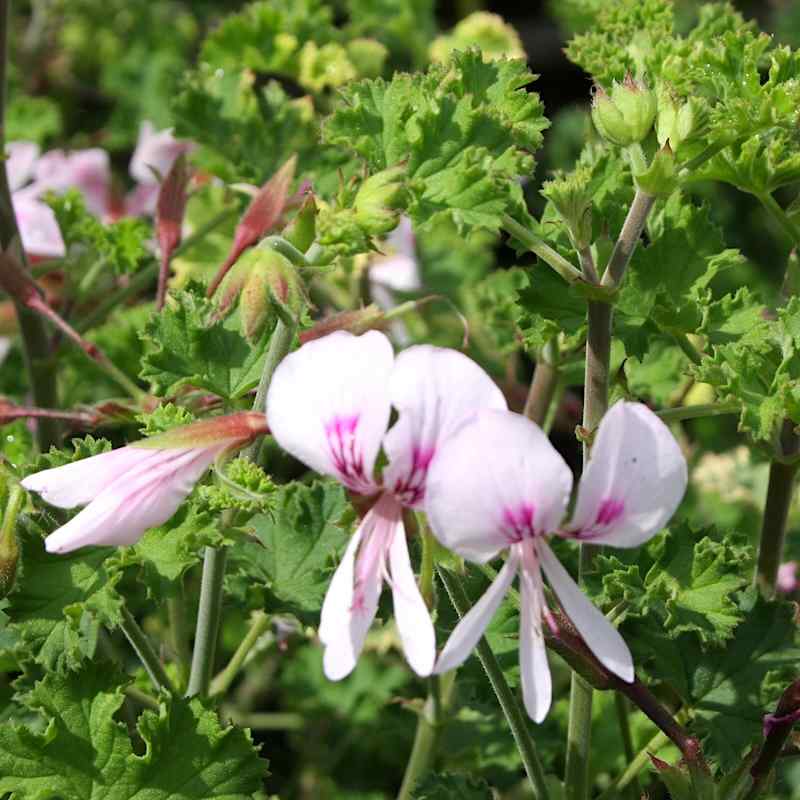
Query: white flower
[
  {"x": 329, "y": 405},
  {"x": 139, "y": 486},
  {"x": 498, "y": 484}
]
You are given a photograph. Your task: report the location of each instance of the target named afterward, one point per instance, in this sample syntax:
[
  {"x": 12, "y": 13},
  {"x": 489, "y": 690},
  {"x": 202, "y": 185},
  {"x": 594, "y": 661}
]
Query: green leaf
[
  {"x": 86, "y": 753},
  {"x": 164, "y": 418},
  {"x": 122, "y": 245},
  {"x": 293, "y": 555},
  {"x": 60, "y": 602},
  {"x": 464, "y": 130},
  {"x": 36, "y": 119},
  {"x": 248, "y": 488},
  {"x": 189, "y": 347},
  {"x": 683, "y": 581},
  {"x": 759, "y": 368},
  {"x": 658, "y": 374},
  {"x": 447, "y": 786}
]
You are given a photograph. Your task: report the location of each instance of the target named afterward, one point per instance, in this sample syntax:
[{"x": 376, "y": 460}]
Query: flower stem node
[
  {"x": 661, "y": 177},
  {"x": 626, "y": 115}
]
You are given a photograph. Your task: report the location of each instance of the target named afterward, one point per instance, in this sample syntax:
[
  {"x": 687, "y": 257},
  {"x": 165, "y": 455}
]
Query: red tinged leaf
[{"x": 170, "y": 210}]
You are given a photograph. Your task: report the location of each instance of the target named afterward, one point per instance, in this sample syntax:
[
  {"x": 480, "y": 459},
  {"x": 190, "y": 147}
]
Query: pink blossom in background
[
  {"x": 152, "y": 159},
  {"x": 329, "y": 405},
  {"x": 139, "y": 486},
  {"x": 88, "y": 171},
  {"x": 41, "y": 237},
  {"x": 498, "y": 484},
  {"x": 787, "y": 577}
]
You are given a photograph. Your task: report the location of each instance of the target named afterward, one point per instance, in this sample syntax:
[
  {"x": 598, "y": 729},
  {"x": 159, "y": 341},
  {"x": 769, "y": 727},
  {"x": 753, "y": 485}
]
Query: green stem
[
  {"x": 268, "y": 720},
  {"x": 427, "y": 566},
  {"x": 635, "y": 766},
  {"x": 141, "y": 644},
  {"x": 178, "y": 632},
  {"x": 628, "y": 238},
  {"x": 780, "y": 216},
  {"x": 209, "y": 614},
  {"x": 428, "y": 728},
  {"x": 259, "y": 623},
  {"x": 508, "y": 703},
  {"x": 543, "y": 386},
  {"x": 776, "y": 512},
  {"x": 698, "y": 411},
  {"x": 621, "y": 705},
  {"x": 210, "y": 606},
  {"x": 39, "y": 363},
  {"x": 689, "y": 350},
  {"x": 567, "y": 271},
  {"x": 637, "y": 159}
]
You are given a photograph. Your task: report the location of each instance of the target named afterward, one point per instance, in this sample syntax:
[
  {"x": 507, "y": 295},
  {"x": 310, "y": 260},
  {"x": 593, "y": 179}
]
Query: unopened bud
[
  {"x": 9, "y": 549},
  {"x": 170, "y": 210},
  {"x": 678, "y": 121},
  {"x": 261, "y": 216},
  {"x": 302, "y": 230},
  {"x": 627, "y": 114},
  {"x": 267, "y": 285},
  {"x": 380, "y": 199}
]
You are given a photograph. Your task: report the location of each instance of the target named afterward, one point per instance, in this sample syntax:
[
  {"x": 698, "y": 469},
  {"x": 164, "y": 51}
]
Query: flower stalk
[
  {"x": 36, "y": 344},
  {"x": 141, "y": 644},
  {"x": 259, "y": 624}
]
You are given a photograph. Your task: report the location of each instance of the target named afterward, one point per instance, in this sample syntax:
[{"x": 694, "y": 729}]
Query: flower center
[
  {"x": 517, "y": 522},
  {"x": 410, "y": 489},
  {"x": 347, "y": 457}
]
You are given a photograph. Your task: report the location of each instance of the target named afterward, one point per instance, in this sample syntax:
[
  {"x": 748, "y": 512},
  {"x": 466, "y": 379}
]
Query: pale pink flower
[
  {"x": 397, "y": 269},
  {"x": 129, "y": 490},
  {"x": 498, "y": 484},
  {"x": 787, "y": 577},
  {"x": 36, "y": 221},
  {"x": 88, "y": 171},
  {"x": 329, "y": 405},
  {"x": 152, "y": 159}
]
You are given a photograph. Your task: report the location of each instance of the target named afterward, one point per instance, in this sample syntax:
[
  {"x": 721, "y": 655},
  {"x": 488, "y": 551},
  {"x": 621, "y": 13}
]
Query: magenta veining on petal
[
  {"x": 343, "y": 444},
  {"x": 518, "y": 522},
  {"x": 610, "y": 511},
  {"x": 410, "y": 489}
]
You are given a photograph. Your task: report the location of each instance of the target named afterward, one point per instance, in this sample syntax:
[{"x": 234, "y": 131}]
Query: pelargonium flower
[
  {"x": 152, "y": 159},
  {"x": 88, "y": 170},
  {"x": 498, "y": 484},
  {"x": 140, "y": 486},
  {"x": 37, "y": 223},
  {"x": 329, "y": 405}
]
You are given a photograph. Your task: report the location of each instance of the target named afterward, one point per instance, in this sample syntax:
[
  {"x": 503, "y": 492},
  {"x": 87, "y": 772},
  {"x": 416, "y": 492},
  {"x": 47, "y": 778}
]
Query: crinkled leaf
[
  {"x": 189, "y": 347},
  {"x": 296, "y": 544},
  {"x": 60, "y": 602},
  {"x": 448, "y": 786},
  {"x": 86, "y": 753},
  {"x": 464, "y": 130}
]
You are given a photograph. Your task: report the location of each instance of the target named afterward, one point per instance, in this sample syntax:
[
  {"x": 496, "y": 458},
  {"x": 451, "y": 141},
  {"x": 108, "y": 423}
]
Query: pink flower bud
[
  {"x": 170, "y": 209},
  {"x": 133, "y": 488}
]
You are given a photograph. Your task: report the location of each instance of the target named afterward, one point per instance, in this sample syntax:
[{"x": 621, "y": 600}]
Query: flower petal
[
  {"x": 469, "y": 630},
  {"x": 144, "y": 497},
  {"x": 410, "y": 612},
  {"x": 80, "y": 482},
  {"x": 155, "y": 153},
  {"x": 601, "y": 637},
  {"x": 399, "y": 269},
  {"x": 434, "y": 389},
  {"x": 635, "y": 479},
  {"x": 86, "y": 170},
  {"x": 495, "y": 482},
  {"x": 534, "y": 670},
  {"x": 343, "y": 628},
  {"x": 328, "y": 405},
  {"x": 20, "y": 161},
  {"x": 38, "y": 227}
]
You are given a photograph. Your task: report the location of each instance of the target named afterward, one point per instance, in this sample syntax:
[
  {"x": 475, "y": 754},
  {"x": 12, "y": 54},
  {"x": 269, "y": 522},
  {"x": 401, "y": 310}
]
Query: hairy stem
[
  {"x": 178, "y": 632},
  {"x": 508, "y": 703},
  {"x": 628, "y": 238},
  {"x": 698, "y": 411},
  {"x": 428, "y": 728},
  {"x": 36, "y": 345},
  {"x": 567, "y": 271},
  {"x": 543, "y": 386},
  {"x": 777, "y": 728},
  {"x": 595, "y": 402},
  {"x": 259, "y": 623},
  {"x": 620, "y": 703},
  {"x": 776, "y": 512},
  {"x": 635, "y": 766},
  {"x": 209, "y": 614},
  {"x": 780, "y": 216},
  {"x": 141, "y": 644}
]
